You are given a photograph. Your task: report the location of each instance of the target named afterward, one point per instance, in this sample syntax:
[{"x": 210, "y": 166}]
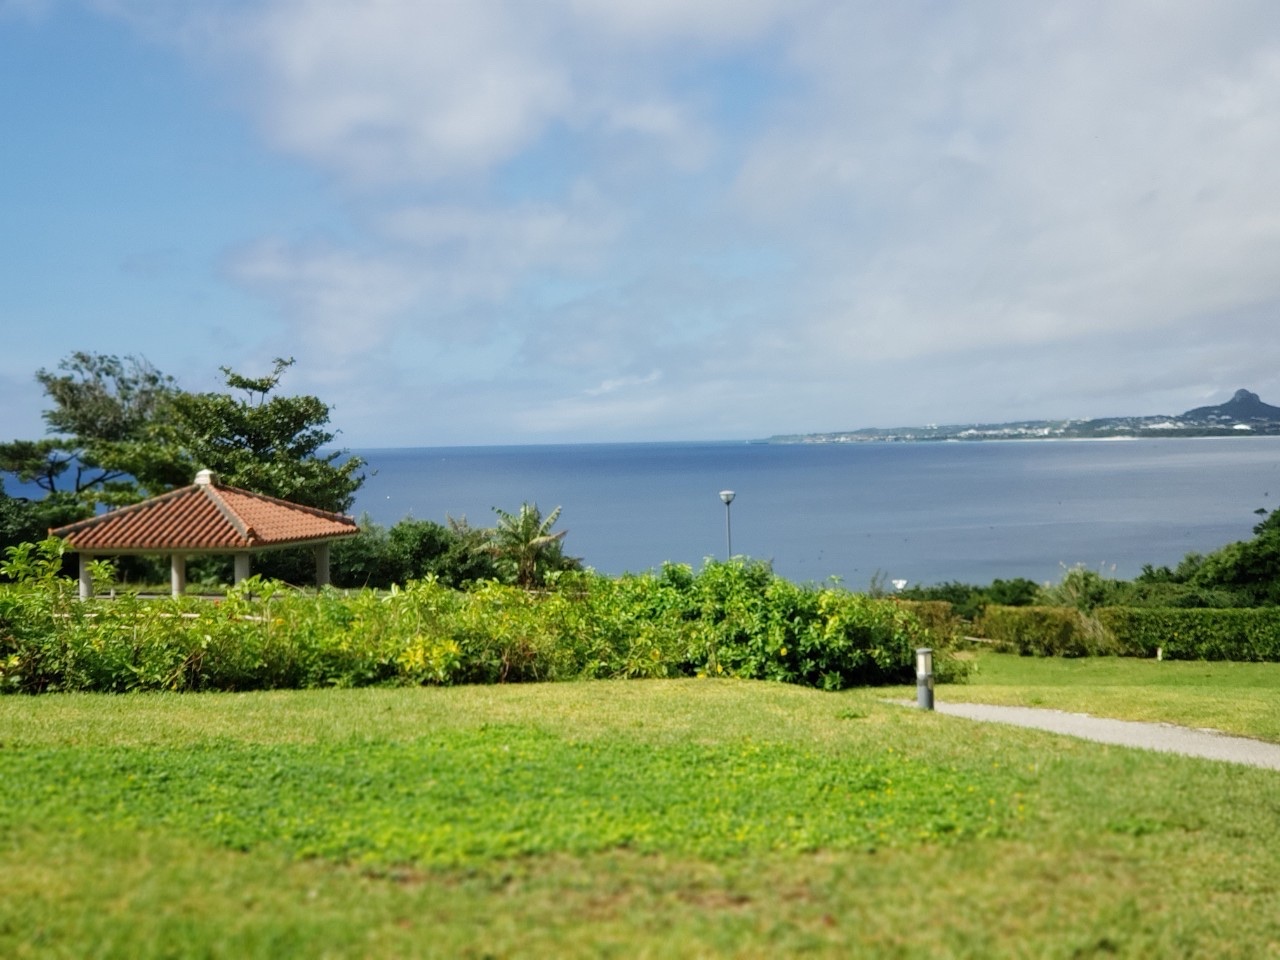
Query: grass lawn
[
  {"x": 682, "y": 818},
  {"x": 1237, "y": 698}
]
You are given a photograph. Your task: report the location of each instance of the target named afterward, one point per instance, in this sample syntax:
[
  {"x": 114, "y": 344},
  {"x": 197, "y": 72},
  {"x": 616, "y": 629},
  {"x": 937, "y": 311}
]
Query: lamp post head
[{"x": 726, "y": 496}]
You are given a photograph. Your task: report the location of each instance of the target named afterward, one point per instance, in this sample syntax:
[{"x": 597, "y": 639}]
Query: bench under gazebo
[{"x": 203, "y": 519}]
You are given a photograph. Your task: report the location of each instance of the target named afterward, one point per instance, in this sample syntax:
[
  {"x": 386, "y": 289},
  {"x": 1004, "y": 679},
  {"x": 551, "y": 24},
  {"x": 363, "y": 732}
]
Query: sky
[{"x": 509, "y": 221}]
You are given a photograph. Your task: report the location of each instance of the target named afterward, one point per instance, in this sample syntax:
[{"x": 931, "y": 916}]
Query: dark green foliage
[
  {"x": 968, "y": 600},
  {"x": 468, "y": 558},
  {"x": 1250, "y": 568},
  {"x": 519, "y": 550},
  {"x": 122, "y": 430},
  {"x": 410, "y": 550},
  {"x": 1246, "y": 573},
  {"x": 1183, "y": 573},
  {"x": 103, "y": 407},
  {"x": 364, "y": 560},
  {"x": 418, "y": 546},
  {"x": 1155, "y": 593},
  {"x": 104, "y": 398},
  {"x": 1018, "y": 592},
  {"x": 1246, "y": 635},
  {"x": 266, "y": 443},
  {"x": 28, "y": 521},
  {"x": 451, "y": 554},
  {"x": 951, "y": 591},
  {"x": 732, "y": 619}
]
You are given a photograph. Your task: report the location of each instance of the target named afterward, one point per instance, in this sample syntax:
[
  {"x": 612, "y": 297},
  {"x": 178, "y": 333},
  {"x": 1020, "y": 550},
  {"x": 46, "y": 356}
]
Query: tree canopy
[
  {"x": 102, "y": 409},
  {"x": 261, "y": 441},
  {"x": 119, "y": 430}
]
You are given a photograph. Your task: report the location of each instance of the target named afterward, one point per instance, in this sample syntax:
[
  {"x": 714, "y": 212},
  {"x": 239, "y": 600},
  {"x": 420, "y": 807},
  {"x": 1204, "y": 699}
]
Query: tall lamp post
[{"x": 727, "y": 497}]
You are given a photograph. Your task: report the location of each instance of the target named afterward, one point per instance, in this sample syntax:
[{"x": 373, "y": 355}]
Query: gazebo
[{"x": 205, "y": 518}]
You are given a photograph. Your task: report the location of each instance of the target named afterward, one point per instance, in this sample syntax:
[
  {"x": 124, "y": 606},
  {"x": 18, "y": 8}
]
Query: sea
[{"x": 855, "y": 513}]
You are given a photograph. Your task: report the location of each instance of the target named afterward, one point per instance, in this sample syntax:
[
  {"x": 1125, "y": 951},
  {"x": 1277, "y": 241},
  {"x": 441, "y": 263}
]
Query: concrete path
[{"x": 1164, "y": 737}]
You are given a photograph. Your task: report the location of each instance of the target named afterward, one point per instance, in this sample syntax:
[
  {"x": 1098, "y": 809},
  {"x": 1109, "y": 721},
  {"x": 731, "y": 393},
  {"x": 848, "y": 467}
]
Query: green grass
[
  {"x": 1237, "y": 698},
  {"x": 681, "y": 818}
]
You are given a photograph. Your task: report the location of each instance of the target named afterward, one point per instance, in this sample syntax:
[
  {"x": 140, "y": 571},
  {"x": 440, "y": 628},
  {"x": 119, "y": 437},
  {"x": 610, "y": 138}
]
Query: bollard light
[{"x": 924, "y": 678}]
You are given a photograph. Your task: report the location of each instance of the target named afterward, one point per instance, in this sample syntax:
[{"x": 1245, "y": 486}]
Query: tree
[
  {"x": 261, "y": 441},
  {"x": 121, "y": 430},
  {"x": 1018, "y": 592},
  {"x": 103, "y": 408},
  {"x": 468, "y": 558},
  {"x": 525, "y": 547},
  {"x": 20, "y": 522},
  {"x": 449, "y": 553},
  {"x": 1245, "y": 573},
  {"x": 1250, "y": 568}
]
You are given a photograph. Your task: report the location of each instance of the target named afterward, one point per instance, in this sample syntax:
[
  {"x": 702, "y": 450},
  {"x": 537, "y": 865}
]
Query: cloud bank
[{"x": 584, "y": 219}]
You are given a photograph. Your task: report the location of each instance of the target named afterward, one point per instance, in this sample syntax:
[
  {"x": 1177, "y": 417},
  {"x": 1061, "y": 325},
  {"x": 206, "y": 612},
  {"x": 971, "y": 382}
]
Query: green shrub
[
  {"x": 939, "y": 617},
  {"x": 1018, "y": 592},
  {"x": 1046, "y": 631},
  {"x": 1153, "y": 593},
  {"x": 1181, "y": 634},
  {"x": 1083, "y": 589},
  {"x": 731, "y": 619}
]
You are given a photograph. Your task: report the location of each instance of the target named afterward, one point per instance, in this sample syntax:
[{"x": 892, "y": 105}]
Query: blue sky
[{"x": 494, "y": 221}]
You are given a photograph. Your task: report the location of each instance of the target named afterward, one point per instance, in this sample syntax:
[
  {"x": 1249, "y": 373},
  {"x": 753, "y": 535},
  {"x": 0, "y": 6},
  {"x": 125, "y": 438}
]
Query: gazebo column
[
  {"x": 86, "y": 581},
  {"x": 242, "y": 567},
  {"x": 177, "y": 574},
  {"x": 322, "y": 564}
]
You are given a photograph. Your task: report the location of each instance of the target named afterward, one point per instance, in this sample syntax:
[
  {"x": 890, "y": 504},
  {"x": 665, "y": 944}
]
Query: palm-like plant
[{"x": 524, "y": 544}]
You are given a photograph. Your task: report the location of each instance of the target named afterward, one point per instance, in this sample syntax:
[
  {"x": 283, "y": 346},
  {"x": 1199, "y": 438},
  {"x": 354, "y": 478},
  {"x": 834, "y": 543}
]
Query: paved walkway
[{"x": 1164, "y": 737}]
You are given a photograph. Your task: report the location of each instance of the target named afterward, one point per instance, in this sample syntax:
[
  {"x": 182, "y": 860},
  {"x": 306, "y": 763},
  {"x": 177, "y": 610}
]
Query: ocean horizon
[{"x": 925, "y": 512}]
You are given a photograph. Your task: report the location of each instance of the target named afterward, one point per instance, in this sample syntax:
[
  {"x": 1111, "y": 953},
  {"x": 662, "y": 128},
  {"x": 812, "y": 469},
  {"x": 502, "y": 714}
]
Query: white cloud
[
  {"x": 488, "y": 248},
  {"x": 718, "y": 22},
  {"x": 336, "y": 303},
  {"x": 1024, "y": 173},
  {"x": 788, "y": 208},
  {"x": 403, "y": 90},
  {"x": 623, "y": 383}
]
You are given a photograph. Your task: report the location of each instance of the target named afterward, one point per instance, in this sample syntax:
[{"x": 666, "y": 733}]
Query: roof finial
[{"x": 206, "y": 478}]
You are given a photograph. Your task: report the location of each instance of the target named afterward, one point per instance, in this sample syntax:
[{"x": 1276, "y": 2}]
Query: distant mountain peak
[
  {"x": 1244, "y": 415},
  {"x": 1243, "y": 405}
]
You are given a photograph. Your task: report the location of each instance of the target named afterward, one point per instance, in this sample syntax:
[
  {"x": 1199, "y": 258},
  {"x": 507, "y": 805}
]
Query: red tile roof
[{"x": 205, "y": 517}]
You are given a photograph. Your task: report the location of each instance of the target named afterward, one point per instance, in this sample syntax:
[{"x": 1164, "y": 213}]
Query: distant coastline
[{"x": 1245, "y": 415}]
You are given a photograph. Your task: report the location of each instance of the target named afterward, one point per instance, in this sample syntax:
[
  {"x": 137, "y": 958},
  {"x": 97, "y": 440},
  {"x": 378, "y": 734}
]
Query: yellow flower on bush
[{"x": 430, "y": 661}]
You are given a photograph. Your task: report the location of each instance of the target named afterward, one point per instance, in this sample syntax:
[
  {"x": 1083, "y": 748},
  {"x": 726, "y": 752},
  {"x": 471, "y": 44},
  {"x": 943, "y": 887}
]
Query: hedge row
[
  {"x": 1251, "y": 634},
  {"x": 1178, "y": 634},
  {"x": 731, "y": 619},
  {"x": 1045, "y": 632}
]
